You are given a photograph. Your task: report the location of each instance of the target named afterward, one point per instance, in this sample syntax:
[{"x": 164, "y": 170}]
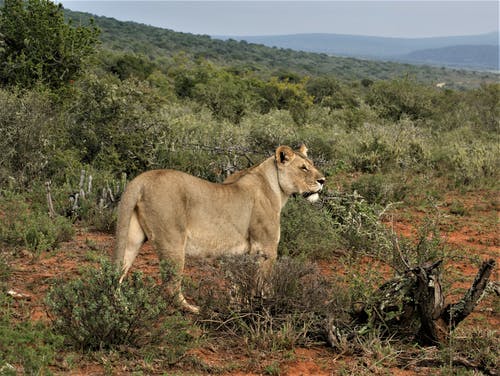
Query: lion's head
[{"x": 297, "y": 174}]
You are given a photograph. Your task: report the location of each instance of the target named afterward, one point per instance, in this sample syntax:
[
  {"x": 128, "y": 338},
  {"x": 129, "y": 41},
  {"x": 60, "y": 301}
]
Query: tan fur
[{"x": 184, "y": 215}]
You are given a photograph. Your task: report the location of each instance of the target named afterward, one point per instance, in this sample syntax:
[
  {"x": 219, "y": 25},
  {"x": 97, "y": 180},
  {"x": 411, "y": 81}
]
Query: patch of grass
[
  {"x": 25, "y": 347},
  {"x": 5, "y": 271},
  {"x": 93, "y": 255},
  {"x": 469, "y": 350},
  {"x": 457, "y": 207},
  {"x": 273, "y": 369}
]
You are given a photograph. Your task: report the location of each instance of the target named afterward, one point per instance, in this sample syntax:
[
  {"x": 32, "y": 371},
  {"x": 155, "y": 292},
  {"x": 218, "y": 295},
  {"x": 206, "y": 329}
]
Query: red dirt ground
[{"x": 474, "y": 234}]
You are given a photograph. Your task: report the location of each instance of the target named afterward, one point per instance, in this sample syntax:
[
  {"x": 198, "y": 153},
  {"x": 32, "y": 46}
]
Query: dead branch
[
  {"x": 453, "y": 314},
  {"x": 50, "y": 203},
  {"x": 413, "y": 304}
]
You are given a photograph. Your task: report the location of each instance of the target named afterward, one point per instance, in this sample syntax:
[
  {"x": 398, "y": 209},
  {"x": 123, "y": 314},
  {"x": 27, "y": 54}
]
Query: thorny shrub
[
  {"x": 358, "y": 223},
  {"x": 274, "y": 312}
]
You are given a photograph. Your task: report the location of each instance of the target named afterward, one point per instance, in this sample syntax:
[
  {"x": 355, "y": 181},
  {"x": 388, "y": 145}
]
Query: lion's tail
[{"x": 128, "y": 203}]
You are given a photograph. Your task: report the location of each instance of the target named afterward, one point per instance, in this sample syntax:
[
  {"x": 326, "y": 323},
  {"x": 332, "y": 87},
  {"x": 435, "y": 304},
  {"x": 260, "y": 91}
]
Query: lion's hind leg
[
  {"x": 170, "y": 246},
  {"x": 135, "y": 239}
]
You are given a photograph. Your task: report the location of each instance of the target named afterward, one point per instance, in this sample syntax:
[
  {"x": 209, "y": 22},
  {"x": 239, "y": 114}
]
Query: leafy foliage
[
  {"x": 113, "y": 124},
  {"x": 28, "y": 135},
  {"x": 226, "y": 95},
  {"x": 31, "y": 228},
  {"x": 37, "y": 46},
  {"x": 97, "y": 312},
  {"x": 358, "y": 223},
  {"x": 398, "y": 98},
  {"x": 300, "y": 223},
  {"x": 286, "y": 95}
]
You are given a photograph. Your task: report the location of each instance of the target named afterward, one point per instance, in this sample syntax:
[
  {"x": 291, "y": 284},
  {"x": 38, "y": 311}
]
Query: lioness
[{"x": 182, "y": 214}]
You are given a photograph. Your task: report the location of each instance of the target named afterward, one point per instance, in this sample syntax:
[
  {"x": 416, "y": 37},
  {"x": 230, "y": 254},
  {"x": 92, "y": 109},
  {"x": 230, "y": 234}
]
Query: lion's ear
[
  {"x": 284, "y": 155},
  {"x": 303, "y": 149}
]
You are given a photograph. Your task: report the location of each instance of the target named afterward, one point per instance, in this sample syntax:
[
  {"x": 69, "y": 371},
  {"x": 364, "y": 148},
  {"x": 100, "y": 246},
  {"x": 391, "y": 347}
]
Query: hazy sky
[{"x": 402, "y": 18}]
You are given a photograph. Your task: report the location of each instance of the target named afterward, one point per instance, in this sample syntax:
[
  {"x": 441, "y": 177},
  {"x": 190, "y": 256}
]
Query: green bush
[
  {"x": 38, "y": 46},
  {"x": 30, "y": 227},
  {"x": 128, "y": 65},
  {"x": 286, "y": 95},
  {"x": 29, "y": 136},
  {"x": 380, "y": 189},
  {"x": 373, "y": 155},
  {"x": 358, "y": 224},
  {"x": 307, "y": 231},
  {"x": 401, "y": 146},
  {"x": 484, "y": 108},
  {"x": 473, "y": 162},
  {"x": 401, "y": 98},
  {"x": 96, "y": 312},
  {"x": 227, "y": 96},
  {"x": 114, "y": 125},
  {"x": 330, "y": 93},
  {"x": 270, "y": 130}
]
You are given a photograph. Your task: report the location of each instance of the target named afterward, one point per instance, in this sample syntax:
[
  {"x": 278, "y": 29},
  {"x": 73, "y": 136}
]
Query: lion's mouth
[{"x": 311, "y": 196}]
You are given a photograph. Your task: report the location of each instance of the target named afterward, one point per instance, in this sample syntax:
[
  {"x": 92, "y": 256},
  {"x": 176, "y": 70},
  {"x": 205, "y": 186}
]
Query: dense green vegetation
[
  {"x": 160, "y": 45},
  {"x": 70, "y": 142},
  {"x": 37, "y": 46}
]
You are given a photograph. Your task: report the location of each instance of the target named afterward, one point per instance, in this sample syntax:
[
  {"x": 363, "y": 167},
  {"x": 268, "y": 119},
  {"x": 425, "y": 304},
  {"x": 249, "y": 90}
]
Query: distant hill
[
  {"x": 395, "y": 49},
  {"x": 158, "y": 43},
  {"x": 479, "y": 57}
]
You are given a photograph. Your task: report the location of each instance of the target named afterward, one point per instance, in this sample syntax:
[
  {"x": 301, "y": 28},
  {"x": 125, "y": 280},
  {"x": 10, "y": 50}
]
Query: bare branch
[{"x": 453, "y": 314}]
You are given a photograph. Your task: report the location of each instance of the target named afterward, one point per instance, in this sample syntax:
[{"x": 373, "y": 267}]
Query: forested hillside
[
  {"x": 156, "y": 43},
  {"x": 86, "y": 107}
]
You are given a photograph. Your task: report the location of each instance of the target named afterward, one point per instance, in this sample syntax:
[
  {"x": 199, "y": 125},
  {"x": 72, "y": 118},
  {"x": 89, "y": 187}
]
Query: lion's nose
[{"x": 321, "y": 181}]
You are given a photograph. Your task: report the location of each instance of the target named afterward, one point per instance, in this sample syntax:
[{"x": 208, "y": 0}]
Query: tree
[
  {"x": 285, "y": 95},
  {"x": 329, "y": 92},
  {"x": 38, "y": 46},
  {"x": 398, "y": 98},
  {"x": 226, "y": 95}
]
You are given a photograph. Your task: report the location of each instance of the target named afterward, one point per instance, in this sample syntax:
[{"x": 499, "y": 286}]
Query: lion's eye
[{"x": 304, "y": 168}]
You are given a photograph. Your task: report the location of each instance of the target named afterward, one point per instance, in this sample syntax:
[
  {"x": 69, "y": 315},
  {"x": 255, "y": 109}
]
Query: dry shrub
[{"x": 282, "y": 310}]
